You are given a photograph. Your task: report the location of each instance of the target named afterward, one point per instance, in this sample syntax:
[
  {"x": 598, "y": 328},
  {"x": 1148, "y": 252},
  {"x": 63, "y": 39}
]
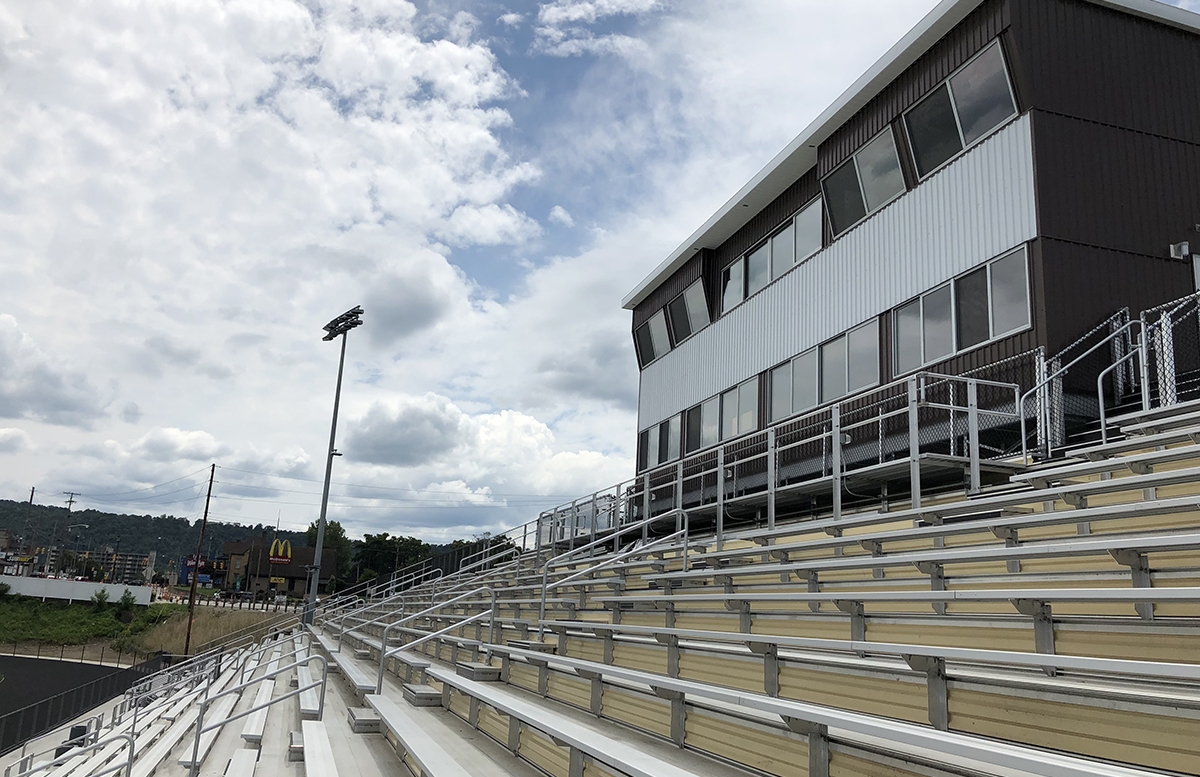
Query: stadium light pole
[{"x": 335, "y": 328}]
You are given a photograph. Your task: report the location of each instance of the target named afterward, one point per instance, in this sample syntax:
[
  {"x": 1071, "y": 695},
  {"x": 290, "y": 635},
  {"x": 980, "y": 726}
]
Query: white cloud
[
  {"x": 559, "y": 215},
  {"x": 34, "y": 385},
  {"x": 511, "y": 19},
  {"x": 14, "y": 440}
]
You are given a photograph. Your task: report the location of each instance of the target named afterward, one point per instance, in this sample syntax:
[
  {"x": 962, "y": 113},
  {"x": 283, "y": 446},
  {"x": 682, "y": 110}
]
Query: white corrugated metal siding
[{"x": 974, "y": 209}]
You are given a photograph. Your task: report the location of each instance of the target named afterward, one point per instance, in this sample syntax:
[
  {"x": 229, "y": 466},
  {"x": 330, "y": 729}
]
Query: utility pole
[
  {"x": 187, "y": 644},
  {"x": 28, "y": 515},
  {"x": 337, "y": 327},
  {"x": 54, "y": 533}
]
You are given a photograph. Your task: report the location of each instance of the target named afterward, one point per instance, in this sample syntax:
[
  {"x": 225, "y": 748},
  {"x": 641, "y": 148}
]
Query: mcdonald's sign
[{"x": 281, "y": 551}]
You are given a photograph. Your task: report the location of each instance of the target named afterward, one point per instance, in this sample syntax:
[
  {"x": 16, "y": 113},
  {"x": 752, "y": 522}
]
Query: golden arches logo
[{"x": 281, "y": 552}]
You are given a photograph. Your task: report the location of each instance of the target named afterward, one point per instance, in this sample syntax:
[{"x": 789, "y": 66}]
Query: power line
[
  {"x": 449, "y": 494},
  {"x": 386, "y": 488},
  {"x": 150, "y": 488}
]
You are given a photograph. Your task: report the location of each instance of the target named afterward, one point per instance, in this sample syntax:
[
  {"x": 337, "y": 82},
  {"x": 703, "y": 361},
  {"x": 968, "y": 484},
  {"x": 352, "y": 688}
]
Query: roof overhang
[{"x": 801, "y": 154}]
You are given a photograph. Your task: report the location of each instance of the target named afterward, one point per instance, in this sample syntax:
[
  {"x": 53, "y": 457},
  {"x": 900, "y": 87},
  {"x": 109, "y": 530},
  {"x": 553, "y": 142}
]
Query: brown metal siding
[
  {"x": 1084, "y": 285},
  {"x": 1078, "y": 59},
  {"x": 964, "y": 41},
  {"x": 1116, "y": 188},
  {"x": 769, "y": 219},
  {"x": 672, "y": 286}
]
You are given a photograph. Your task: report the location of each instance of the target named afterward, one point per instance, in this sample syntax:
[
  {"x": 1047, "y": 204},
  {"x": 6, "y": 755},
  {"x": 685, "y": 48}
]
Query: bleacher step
[
  {"x": 364, "y": 720},
  {"x": 422, "y": 695},
  {"x": 479, "y": 672},
  {"x": 295, "y": 751},
  {"x": 533, "y": 644}
]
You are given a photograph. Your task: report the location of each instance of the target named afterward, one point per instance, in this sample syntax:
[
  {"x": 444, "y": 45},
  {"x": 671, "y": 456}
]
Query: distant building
[
  {"x": 8, "y": 540},
  {"x": 261, "y": 564}
]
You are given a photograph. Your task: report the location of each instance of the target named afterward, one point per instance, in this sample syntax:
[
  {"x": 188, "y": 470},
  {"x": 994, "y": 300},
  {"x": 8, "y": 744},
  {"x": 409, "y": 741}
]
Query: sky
[{"x": 190, "y": 189}]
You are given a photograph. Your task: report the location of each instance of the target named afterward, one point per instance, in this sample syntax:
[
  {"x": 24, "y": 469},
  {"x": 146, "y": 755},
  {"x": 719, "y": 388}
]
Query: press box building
[{"x": 1004, "y": 178}]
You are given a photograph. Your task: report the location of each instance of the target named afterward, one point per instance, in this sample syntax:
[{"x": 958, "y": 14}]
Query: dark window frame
[
  {"x": 862, "y": 193},
  {"x": 945, "y": 83}
]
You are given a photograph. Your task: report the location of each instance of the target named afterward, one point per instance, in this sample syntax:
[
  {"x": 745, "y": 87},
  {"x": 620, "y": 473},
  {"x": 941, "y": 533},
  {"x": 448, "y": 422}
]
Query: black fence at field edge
[{"x": 19, "y": 726}]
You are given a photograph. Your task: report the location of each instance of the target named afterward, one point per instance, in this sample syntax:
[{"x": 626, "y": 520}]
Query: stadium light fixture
[{"x": 337, "y": 327}]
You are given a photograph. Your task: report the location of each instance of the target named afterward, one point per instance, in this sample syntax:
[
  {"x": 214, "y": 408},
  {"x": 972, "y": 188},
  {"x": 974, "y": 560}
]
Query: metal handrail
[
  {"x": 392, "y": 584},
  {"x": 271, "y": 645},
  {"x": 385, "y": 654},
  {"x": 127, "y": 766},
  {"x": 465, "y": 581},
  {"x": 604, "y": 564},
  {"x": 1100, "y": 392},
  {"x": 488, "y": 559},
  {"x": 341, "y": 621},
  {"x": 596, "y": 543},
  {"x": 91, "y": 733},
  {"x": 383, "y": 638},
  {"x": 1062, "y": 370},
  {"x": 194, "y": 769},
  {"x": 245, "y": 631}
]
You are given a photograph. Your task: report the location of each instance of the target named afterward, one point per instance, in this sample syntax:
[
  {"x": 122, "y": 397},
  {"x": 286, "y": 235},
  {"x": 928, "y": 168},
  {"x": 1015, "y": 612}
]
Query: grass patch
[
  {"x": 210, "y": 623},
  {"x": 59, "y": 623}
]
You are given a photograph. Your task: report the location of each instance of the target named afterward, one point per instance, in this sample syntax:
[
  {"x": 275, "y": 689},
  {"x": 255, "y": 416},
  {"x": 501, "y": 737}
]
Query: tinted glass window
[
  {"x": 681, "y": 322},
  {"x": 668, "y": 439},
  {"x": 933, "y": 131},
  {"x": 747, "y": 406},
  {"x": 781, "y": 392},
  {"x": 783, "y": 251},
  {"x": 879, "y": 168},
  {"x": 808, "y": 231},
  {"x": 645, "y": 344},
  {"x": 938, "y": 323},
  {"x": 710, "y": 431},
  {"x": 862, "y": 350},
  {"x": 833, "y": 369},
  {"x": 692, "y": 425},
  {"x": 1010, "y": 294},
  {"x": 844, "y": 198},
  {"x": 907, "y": 334},
  {"x": 982, "y": 95},
  {"x": 758, "y": 269},
  {"x": 804, "y": 381},
  {"x": 652, "y": 446},
  {"x": 729, "y": 414},
  {"x": 697, "y": 306},
  {"x": 658, "y": 333},
  {"x": 643, "y": 450},
  {"x": 732, "y": 285},
  {"x": 971, "y": 296}
]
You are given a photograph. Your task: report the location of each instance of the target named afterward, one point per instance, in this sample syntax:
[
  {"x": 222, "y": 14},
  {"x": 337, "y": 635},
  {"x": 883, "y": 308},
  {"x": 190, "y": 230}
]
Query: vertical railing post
[
  {"x": 592, "y": 535},
  {"x": 835, "y": 447},
  {"x": 721, "y": 498},
  {"x": 574, "y": 525},
  {"x": 772, "y": 479},
  {"x": 645, "y": 505},
  {"x": 973, "y": 432},
  {"x": 914, "y": 444}
]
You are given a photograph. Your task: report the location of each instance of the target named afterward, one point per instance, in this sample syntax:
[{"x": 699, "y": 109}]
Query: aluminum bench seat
[
  {"x": 1138, "y": 464},
  {"x": 1075, "y": 494},
  {"x": 1158, "y": 670},
  {"x": 318, "y": 754},
  {"x": 1161, "y": 423},
  {"x": 1004, "y": 524},
  {"x": 256, "y": 722},
  {"x": 220, "y": 710},
  {"x": 1154, "y": 413},
  {"x": 982, "y": 755},
  {"x": 1139, "y": 443},
  {"x": 242, "y": 764},
  {"x": 347, "y": 664},
  {"x": 310, "y": 699},
  {"x": 430, "y": 756},
  {"x": 614, "y": 754},
  {"x": 1117, "y": 547}
]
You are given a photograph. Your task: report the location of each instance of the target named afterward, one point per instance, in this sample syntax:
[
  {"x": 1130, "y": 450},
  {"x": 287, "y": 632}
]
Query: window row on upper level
[
  {"x": 974, "y": 101},
  {"x": 988, "y": 303}
]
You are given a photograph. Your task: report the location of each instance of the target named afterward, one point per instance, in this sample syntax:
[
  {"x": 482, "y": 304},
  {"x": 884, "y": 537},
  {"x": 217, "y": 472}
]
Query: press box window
[
  {"x": 703, "y": 425},
  {"x": 739, "y": 409},
  {"x": 961, "y": 111},
  {"x": 850, "y": 362},
  {"x": 985, "y": 304},
  {"x": 794, "y": 386},
  {"x": 659, "y": 444},
  {"x": 651, "y": 339},
  {"x": 688, "y": 312},
  {"x": 864, "y": 183}
]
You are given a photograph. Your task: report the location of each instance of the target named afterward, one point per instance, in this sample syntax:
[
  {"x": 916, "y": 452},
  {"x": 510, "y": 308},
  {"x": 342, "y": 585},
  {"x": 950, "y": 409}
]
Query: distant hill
[{"x": 173, "y": 538}]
